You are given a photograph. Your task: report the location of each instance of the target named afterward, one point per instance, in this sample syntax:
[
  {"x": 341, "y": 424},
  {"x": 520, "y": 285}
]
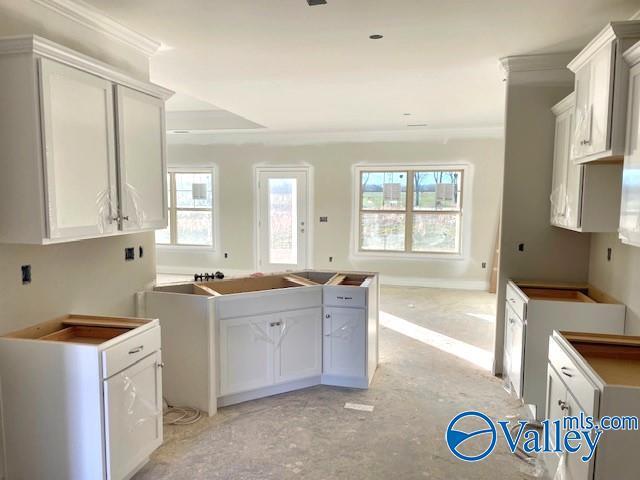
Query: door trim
[{"x": 308, "y": 169}]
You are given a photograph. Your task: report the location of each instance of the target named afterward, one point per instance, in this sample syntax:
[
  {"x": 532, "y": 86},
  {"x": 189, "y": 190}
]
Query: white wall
[
  {"x": 619, "y": 277},
  {"x": 89, "y": 276},
  {"x": 332, "y": 165}
]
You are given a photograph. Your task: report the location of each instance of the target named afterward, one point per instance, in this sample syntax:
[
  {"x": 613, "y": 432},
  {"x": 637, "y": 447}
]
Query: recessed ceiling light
[
  {"x": 406, "y": 114},
  {"x": 313, "y": 3},
  {"x": 180, "y": 131},
  {"x": 376, "y": 36},
  {"x": 416, "y": 125}
]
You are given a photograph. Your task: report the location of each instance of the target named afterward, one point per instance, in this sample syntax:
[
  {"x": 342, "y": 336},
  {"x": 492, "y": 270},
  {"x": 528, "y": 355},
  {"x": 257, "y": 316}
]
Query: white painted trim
[
  {"x": 632, "y": 55},
  {"x": 275, "y": 137},
  {"x": 565, "y": 104},
  {"x": 614, "y": 30},
  {"x": 308, "y": 170},
  {"x": 447, "y": 283},
  {"x": 42, "y": 47},
  {"x": 548, "y": 69},
  {"x": 93, "y": 19},
  {"x": 234, "y": 398},
  {"x": 635, "y": 16}
]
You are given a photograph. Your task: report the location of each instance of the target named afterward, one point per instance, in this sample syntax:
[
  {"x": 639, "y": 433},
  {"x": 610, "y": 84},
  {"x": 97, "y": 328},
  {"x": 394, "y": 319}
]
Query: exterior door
[
  {"x": 299, "y": 346},
  {"x": 282, "y": 220},
  {"x": 141, "y": 160},
  {"x": 79, "y": 152},
  {"x": 344, "y": 342},
  {"x": 133, "y": 416},
  {"x": 246, "y": 353}
]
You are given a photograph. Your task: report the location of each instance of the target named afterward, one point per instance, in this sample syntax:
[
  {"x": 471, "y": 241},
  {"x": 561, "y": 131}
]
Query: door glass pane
[
  {"x": 163, "y": 237},
  {"x": 194, "y": 227},
  {"x": 382, "y": 231},
  {"x": 193, "y": 190},
  {"x": 436, "y": 190},
  {"x": 436, "y": 232},
  {"x": 383, "y": 190},
  {"x": 283, "y": 221}
]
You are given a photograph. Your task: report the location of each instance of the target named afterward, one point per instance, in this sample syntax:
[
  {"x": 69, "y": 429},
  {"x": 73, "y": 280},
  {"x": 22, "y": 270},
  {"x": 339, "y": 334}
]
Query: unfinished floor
[{"x": 434, "y": 360}]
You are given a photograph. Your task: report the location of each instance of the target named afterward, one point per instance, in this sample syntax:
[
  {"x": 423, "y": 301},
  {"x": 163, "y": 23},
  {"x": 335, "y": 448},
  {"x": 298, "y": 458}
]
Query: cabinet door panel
[
  {"x": 600, "y": 92},
  {"x": 299, "y": 346},
  {"x": 141, "y": 160},
  {"x": 514, "y": 331},
  {"x": 246, "y": 353},
  {"x": 630, "y": 206},
  {"x": 344, "y": 342},
  {"x": 79, "y": 156},
  {"x": 582, "y": 120},
  {"x": 556, "y": 398},
  {"x": 133, "y": 416}
]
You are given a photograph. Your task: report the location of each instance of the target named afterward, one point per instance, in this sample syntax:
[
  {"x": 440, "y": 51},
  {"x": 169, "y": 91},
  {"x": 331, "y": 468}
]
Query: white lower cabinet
[
  {"x": 81, "y": 398},
  {"x": 264, "y": 350},
  {"x": 344, "y": 342}
]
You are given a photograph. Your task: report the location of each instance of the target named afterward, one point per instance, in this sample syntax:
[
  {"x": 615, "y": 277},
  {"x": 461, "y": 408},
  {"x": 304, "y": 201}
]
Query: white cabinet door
[
  {"x": 141, "y": 160},
  {"x": 79, "y": 152},
  {"x": 246, "y": 353},
  {"x": 344, "y": 337},
  {"x": 299, "y": 346},
  {"x": 556, "y": 398},
  {"x": 630, "y": 206},
  {"x": 133, "y": 416},
  {"x": 601, "y": 97},
  {"x": 566, "y": 194},
  {"x": 514, "y": 339},
  {"x": 582, "y": 119}
]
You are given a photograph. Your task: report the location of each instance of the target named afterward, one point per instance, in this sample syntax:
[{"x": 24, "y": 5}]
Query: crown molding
[
  {"x": 565, "y": 104},
  {"x": 537, "y": 69},
  {"x": 95, "y": 20},
  {"x": 632, "y": 55},
  {"x": 613, "y": 31},
  {"x": 268, "y": 137},
  {"x": 35, "y": 45}
]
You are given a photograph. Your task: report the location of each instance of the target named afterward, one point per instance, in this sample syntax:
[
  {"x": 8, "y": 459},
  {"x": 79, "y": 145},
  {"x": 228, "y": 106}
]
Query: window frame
[
  {"x": 409, "y": 211},
  {"x": 173, "y": 210}
]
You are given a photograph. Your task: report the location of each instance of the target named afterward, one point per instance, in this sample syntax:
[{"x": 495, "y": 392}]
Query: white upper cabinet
[
  {"x": 600, "y": 86},
  {"x": 630, "y": 206},
  {"x": 79, "y": 153},
  {"x": 584, "y": 198},
  {"x": 83, "y": 146},
  {"x": 141, "y": 156}
]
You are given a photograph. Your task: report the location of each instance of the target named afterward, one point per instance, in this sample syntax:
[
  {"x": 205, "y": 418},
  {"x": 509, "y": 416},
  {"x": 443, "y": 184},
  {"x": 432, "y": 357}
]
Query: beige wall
[
  {"x": 89, "y": 276},
  {"x": 332, "y": 165},
  {"x": 619, "y": 277}
]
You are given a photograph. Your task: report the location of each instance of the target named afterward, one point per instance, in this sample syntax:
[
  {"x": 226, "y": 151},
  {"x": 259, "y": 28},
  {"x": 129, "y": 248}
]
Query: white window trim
[
  {"x": 465, "y": 212},
  {"x": 213, "y": 170}
]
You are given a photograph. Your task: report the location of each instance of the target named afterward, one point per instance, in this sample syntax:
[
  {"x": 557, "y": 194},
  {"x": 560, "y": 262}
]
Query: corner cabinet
[
  {"x": 629, "y": 230},
  {"x": 584, "y": 198},
  {"x": 83, "y": 147},
  {"x": 601, "y": 90}
]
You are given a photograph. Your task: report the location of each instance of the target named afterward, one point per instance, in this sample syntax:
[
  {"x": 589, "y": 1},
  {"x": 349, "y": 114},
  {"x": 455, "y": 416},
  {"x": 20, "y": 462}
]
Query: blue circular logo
[{"x": 456, "y": 438}]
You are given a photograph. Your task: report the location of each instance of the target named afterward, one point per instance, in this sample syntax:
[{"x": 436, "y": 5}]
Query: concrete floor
[{"x": 417, "y": 390}]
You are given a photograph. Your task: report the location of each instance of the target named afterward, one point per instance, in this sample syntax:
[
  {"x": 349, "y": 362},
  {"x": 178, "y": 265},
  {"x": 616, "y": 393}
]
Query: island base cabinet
[
  {"x": 133, "y": 413},
  {"x": 299, "y": 347},
  {"x": 344, "y": 342}
]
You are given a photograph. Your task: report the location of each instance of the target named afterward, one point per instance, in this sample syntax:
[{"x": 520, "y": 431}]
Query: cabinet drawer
[
  {"x": 128, "y": 352},
  {"x": 515, "y": 300},
  {"x": 578, "y": 384},
  {"x": 345, "y": 296}
]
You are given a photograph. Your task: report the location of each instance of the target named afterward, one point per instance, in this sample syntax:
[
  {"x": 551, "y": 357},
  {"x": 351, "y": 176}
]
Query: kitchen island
[{"x": 229, "y": 341}]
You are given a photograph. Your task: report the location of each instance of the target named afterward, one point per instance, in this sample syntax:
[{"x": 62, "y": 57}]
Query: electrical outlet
[
  {"x": 140, "y": 251},
  {"x": 129, "y": 254},
  {"x": 521, "y": 247},
  {"x": 484, "y": 264},
  {"x": 226, "y": 255},
  {"x": 330, "y": 259},
  {"x": 324, "y": 219},
  {"x": 609, "y": 254},
  {"x": 26, "y": 274}
]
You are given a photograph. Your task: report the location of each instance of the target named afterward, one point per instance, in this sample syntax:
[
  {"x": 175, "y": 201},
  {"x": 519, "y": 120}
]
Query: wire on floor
[{"x": 180, "y": 415}]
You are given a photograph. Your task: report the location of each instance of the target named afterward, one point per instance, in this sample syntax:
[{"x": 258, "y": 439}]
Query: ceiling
[{"x": 291, "y": 67}]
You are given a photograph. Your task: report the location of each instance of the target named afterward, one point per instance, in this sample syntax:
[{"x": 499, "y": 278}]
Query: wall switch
[
  {"x": 26, "y": 274},
  {"x": 521, "y": 247},
  {"x": 484, "y": 264},
  {"x": 330, "y": 259},
  {"x": 140, "y": 251},
  {"x": 129, "y": 253},
  {"x": 324, "y": 219},
  {"x": 226, "y": 255}
]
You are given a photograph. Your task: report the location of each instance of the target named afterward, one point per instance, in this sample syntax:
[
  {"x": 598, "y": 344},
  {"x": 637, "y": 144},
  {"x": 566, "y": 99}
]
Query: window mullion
[{"x": 408, "y": 220}]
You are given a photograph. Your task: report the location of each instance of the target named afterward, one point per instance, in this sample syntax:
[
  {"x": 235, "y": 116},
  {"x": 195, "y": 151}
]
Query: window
[
  {"x": 410, "y": 210},
  {"x": 190, "y": 194}
]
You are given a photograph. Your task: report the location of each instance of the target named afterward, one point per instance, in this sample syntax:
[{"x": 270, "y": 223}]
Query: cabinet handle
[
  {"x": 119, "y": 218},
  {"x": 328, "y": 315},
  {"x": 563, "y": 406},
  {"x": 160, "y": 364},
  {"x": 275, "y": 324},
  {"x": 138, "y": 349},
  {"x": 126, "y": 218},
  {"x": 565, "y": 372}
]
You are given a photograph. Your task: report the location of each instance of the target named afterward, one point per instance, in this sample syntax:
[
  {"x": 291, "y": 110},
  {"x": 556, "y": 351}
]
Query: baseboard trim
[
  {"x": 448, "y": 283},
  {"x": 390, "y": 280},
  {"x": 234, "y": 398},
  {"x": 350, "y": 382}
]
